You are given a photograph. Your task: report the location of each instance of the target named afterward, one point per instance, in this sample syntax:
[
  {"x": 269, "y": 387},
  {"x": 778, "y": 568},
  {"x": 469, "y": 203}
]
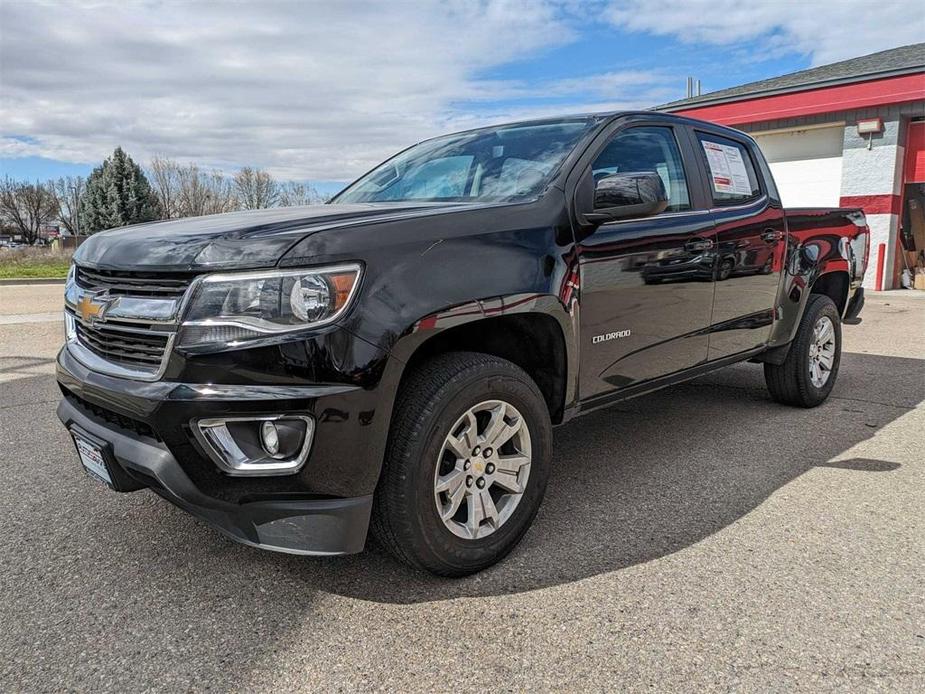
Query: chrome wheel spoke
[
  {"x": 463, "y": 444},
  {"x": 499, "y": 431},
  {"x": 511, "y": 464},
  {"x": 471, "y": 432},
  {"x": 495, "y": 425},
  {"x": 476, "y": 515},
  {"x": 507, "y": 472},
  {"x": 508, "y": 481},
  {"x": 450, "y": 482},
  {"x": 489, "y": 510},
  {"x": 455, "y": 498}
]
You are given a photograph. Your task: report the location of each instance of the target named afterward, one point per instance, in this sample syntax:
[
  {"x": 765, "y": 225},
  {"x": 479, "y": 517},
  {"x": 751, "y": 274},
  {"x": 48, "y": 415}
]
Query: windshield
[{"x": 492, "y": 164}]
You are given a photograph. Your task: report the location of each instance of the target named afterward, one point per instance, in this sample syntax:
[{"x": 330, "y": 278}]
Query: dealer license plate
[{"x": 92, "y": 458}]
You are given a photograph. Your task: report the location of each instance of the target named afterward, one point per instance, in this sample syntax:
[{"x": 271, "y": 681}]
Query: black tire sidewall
[{"x": 819, "y": 306}]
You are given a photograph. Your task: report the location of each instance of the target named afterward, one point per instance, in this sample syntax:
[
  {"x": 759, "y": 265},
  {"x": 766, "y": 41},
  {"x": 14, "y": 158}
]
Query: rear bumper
[
  {"x": 295, "y": 526},
  {"x": 855, "y": 304}
]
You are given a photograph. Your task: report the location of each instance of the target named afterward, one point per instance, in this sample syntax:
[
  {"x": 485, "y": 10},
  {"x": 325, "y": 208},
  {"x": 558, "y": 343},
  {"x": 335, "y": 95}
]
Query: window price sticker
[{"x": 727, "y": 169}]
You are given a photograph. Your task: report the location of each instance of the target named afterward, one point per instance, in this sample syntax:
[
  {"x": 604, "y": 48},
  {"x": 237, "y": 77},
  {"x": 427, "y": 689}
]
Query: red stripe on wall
[
  {"x": 891, "y": 90},
  {"x": 873, "y": 204}
]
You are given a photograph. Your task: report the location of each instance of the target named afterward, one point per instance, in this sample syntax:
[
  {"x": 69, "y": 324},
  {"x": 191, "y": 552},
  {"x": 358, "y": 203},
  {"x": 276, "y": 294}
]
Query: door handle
[
  {"x": 699, "y": 245},
  {"x": 771, "y": 235}
]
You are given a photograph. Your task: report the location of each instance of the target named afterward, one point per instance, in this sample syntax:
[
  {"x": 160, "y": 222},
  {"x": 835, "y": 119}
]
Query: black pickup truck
[{"x": 396, "y": 360}]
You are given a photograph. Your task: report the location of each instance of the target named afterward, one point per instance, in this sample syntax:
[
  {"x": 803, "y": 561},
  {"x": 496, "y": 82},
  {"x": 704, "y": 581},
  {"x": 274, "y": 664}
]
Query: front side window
[
  {"x": 647, "y": 149},
  {"x": 730, "y": 170},
  {"x": 491, "y": 164}
]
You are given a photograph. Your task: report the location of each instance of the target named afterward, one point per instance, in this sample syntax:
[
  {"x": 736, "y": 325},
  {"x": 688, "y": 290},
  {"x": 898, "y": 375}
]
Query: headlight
[{"x": 234, "y": 308}]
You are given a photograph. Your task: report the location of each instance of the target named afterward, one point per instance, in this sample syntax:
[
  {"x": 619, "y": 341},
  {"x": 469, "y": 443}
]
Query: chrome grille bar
[
  {"x": 133, "y": 284},
  {"x": 121, "y": 350}
]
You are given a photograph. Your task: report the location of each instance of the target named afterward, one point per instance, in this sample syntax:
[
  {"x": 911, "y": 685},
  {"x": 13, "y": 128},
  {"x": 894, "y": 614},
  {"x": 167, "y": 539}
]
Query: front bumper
[
  {"x": 144, "y": 429},
  {"x": 298, "y": 526}
]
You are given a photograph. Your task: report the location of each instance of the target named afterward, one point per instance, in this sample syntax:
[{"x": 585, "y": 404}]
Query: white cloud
[
  {"x": 309, "y": 90},
  {"x": 826, "y": 30},
  {"x": 324, "y": 90}
]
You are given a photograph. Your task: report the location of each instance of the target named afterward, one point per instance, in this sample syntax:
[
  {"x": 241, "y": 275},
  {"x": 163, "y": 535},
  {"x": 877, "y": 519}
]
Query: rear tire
[
  {"x": 447, "y": 408},
  {"x": 808, "y": 374}
]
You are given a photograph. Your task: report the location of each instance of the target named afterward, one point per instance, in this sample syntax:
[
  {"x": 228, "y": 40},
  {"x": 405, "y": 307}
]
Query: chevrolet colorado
[{"x": 396, "y": 359}]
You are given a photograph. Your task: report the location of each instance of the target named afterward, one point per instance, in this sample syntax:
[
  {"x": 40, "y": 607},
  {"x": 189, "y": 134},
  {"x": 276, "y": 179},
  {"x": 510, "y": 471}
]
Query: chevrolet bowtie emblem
[{"x": 89, "y": 309}]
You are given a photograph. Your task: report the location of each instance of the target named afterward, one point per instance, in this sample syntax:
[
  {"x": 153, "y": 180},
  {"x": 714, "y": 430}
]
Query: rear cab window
[{"x": 731, "y": 174}]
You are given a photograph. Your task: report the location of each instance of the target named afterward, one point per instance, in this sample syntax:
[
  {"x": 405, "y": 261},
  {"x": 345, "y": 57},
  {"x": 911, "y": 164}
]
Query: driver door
[{"x": 646, "y": 283}]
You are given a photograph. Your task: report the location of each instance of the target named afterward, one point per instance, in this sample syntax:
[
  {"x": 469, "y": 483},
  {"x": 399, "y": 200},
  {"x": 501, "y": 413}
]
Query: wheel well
[
  {"x": 532, "y": 341},
  {"x": 835, "y": 286}
]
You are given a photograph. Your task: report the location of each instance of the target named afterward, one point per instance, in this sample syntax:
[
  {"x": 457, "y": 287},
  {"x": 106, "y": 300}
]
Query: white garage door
[{"x": 806, "y": 165}]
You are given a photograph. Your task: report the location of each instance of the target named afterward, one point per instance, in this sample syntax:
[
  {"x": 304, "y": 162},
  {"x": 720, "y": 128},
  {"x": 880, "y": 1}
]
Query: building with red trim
[{"x": 850, "y": 134}]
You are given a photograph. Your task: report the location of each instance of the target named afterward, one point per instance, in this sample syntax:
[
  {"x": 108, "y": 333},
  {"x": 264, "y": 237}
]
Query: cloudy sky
[{"x": 321, "y": 91}]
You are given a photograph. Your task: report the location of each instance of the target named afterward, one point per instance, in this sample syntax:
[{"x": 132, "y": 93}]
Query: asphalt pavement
[{"x": 702, "y": 538}]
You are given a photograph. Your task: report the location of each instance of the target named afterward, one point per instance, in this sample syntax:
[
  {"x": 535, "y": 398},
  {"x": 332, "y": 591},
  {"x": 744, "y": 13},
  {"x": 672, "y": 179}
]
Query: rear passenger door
[
  {"x": 750, "y": 243},
  {"x": 646, "y": 283}
]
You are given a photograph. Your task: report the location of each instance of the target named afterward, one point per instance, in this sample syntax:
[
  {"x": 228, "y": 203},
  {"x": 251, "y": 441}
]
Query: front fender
[{"x": 470, "y": 314}]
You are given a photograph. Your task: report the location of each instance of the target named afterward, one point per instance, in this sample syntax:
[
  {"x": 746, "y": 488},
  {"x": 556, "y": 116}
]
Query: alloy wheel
[
  {"x": 822, "y": 351},
  {"x": 482, "y": 469}
]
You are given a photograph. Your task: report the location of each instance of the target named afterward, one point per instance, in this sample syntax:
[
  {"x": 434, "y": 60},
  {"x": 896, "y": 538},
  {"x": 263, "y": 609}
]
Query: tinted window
[
  {"x": 647, "y": 149},
  {"x": 503, "y": 163},
  {"x": 730, "y": 170}
]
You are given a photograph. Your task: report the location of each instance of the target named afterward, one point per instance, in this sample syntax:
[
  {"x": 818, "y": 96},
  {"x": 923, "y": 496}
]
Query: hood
[{"x": 238, "y": 240}]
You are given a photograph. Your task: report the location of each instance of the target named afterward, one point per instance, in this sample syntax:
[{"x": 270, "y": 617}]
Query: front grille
[
  {"x": 119, "y": 283},
  {"x": 132, "y": 345},
  {"x": 121, "y": 421},
  {"x": 123, "y": 323}
]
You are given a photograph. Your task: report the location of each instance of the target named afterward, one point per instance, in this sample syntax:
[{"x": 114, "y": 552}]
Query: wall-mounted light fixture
[{"x": 869, "y": 127}]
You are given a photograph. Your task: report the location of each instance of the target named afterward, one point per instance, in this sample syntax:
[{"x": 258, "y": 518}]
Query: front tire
[
  {"x": 466, "y": 465},
  {"x": 808, "y": 374}
]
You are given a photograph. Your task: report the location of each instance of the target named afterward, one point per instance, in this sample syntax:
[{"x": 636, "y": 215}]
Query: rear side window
[
  {"x": 730, "y": 170},
  {"x": 647, "y": 149}
]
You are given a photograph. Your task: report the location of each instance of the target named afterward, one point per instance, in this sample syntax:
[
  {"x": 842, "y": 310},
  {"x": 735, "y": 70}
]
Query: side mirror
[{"x": 624, "y": 195}]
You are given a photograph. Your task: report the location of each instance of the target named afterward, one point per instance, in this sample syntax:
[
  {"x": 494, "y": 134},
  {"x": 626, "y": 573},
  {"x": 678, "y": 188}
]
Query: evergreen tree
[{"x": 117, "y": 194}]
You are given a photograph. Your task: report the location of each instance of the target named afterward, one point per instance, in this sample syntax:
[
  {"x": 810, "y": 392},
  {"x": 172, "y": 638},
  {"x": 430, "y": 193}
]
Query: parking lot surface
[{"x": 702, "y": 538}]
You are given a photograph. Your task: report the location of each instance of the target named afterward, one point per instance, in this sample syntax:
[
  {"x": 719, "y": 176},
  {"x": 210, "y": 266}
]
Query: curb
[{"x": 32, "y": 280}]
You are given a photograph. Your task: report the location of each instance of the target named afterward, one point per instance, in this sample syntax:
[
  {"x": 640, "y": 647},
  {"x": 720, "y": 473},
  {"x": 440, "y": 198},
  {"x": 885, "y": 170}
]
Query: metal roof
[{"x": 896, "y": 61}]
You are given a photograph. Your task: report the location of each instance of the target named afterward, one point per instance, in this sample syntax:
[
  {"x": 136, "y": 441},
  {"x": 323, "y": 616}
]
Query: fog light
[
  {"x": 269, "y": 436},
  {"x": 263, "y": 445}
]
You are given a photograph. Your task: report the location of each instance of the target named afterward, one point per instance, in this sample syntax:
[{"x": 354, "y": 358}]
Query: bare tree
[
  {"x": 256, "y": 188},
  {"x": 166, "y": 182},
  {"x": 26, "y": 207},
  {"x": 224, "y": 198},
  {"x": 293, "y": 194},
  {"x": 68, "y": 194},
  {"x": 204, "y": 193}
]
